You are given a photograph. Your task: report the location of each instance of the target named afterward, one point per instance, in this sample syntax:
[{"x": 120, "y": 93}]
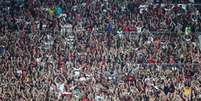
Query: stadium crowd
[{"x": 100, "y": 50}]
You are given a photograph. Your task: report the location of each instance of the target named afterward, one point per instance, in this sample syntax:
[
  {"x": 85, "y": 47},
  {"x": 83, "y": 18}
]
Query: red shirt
[
  {"x": 171, "y": 61},
  {"x": 84, "y": 99},
  {"x": 126, "y": 29},
  {"x": 150, "y": 60},
  {"x": 130, "y": 78},
  {"x": 89, "y": 29}
]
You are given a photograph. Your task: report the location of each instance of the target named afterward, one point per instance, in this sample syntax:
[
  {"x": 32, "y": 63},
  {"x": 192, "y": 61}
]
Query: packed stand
[{"x": 100, "y": 50}]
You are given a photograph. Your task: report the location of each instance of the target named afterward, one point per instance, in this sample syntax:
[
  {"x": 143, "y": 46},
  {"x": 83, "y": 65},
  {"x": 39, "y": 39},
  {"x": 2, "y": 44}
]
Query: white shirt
[
  {"x": 38, "y": 59},
  {"x": 61, "y": 87},
  {"x": 139, "y": 29},
  {"x": 98, "y": 98}
]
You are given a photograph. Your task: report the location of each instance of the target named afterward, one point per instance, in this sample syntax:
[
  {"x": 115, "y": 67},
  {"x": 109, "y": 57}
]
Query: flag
[
  {"x": 187, "y": 30},
  {"x": 58, "y": 11},
  {"x": 50, "y": 11},
  {"x": 109, "y": 28},
  {"x": 2, "y": 50}
]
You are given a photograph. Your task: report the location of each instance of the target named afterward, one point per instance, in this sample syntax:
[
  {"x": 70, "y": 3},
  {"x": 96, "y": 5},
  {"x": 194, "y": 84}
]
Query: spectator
[{"x": 95, "y": 50}]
